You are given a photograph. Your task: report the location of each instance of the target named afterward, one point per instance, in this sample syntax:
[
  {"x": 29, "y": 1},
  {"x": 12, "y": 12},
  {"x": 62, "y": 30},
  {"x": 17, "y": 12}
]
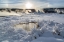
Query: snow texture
[{"x": 51, "y": 28}]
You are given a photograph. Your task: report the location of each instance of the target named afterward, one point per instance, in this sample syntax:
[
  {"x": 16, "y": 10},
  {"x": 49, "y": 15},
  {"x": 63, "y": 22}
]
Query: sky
[{"x": 36, "y": 3}]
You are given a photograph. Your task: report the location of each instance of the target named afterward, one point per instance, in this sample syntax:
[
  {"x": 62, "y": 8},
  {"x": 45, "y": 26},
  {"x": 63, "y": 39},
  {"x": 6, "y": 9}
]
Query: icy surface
[{"x": 51, "y": 26}]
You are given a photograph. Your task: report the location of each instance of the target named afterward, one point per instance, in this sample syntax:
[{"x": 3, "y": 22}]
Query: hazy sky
[{"x": 36, "y": 3}]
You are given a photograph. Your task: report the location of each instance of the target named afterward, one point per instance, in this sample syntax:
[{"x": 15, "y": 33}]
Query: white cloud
[{"x": 36, "y": 3}]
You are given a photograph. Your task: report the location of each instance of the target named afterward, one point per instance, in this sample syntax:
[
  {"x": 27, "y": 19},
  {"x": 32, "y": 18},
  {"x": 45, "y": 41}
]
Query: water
[{"x": 26, "y": 26}]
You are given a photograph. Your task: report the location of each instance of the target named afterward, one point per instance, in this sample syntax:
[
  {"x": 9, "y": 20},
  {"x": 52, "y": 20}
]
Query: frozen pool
[{"x": 26, "y": 25}]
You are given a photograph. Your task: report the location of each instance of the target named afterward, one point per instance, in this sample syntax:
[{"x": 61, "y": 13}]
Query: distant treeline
[
  {"x": 45, "y": 10},
  {"x": 16, "y": 10},
  {"x": 52, "y": 10}
]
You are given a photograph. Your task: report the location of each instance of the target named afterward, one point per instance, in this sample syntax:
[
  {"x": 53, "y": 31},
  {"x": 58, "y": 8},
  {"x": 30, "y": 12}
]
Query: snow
[
  {"x": 8, "y": 14},
  {"x": 5, "y": 41},
  {"x": 51, "y": 28},
  {"x": 49, "y": 39}
]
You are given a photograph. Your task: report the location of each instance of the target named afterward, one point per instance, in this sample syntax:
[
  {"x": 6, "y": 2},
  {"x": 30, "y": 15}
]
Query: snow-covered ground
[
  {"x": 51, "y": 28},
  {"x": 8, "y": 14}
]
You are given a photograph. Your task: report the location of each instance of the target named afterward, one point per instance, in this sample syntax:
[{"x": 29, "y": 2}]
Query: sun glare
[{"x": 28, "y": 5}]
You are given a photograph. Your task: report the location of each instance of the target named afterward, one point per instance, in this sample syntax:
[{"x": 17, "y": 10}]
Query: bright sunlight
[{"x": 28, "y": 5}]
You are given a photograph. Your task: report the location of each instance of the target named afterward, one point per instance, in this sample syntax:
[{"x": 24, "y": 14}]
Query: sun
[{"x": 28, "y": 5}]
